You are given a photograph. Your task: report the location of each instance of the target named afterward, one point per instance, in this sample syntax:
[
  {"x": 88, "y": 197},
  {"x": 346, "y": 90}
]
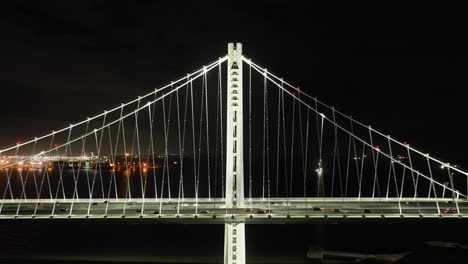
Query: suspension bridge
[{"x": 229, "y": 143}]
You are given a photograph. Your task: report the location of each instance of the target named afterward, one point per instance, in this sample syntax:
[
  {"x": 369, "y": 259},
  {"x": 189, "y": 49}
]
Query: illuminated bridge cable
[
  {"x": 412, "y": 172},
  {"x": 69, "y": 152},
  {"x": 128, "y": 192},
  {"x": 221, "y": 126},
  {"x": 278, "y": 146},
  {"x": 336, "y": 157},
  {"x": 292, "y": 148},
  {"x": 318, "y": 171},
  {"x": 47, "y": 172},
  {"x": 454, "y": 197},
  {"x": 267, "y": 146},
  {"x": 83, "y": 153},
  {"x": 320, "y": 168},
  {"x": 347, "y": 167},
  {"x": 301, "y": 134},
  {"x": 402, "y": 183},
  {"x": 153, "y": 143},
  {"x": 356, "y": 157},
  {"x": 264, "y": 139},
  {"x": 207, "y": 134},
  {"x": 132, "y": 150},
  {"x": 200, "y": 139},
  {"x": 165, "y": 166},
  {"x": 375, "y": 160},
  {"x": 34, "y": 173},
  {"x": 194, "y": 147},
  {"x": 8, "y": 185},
  {"x": 363, "y": 155},
  {"x": 151, "y": 146},
  {"x": 142, "y": 181},
  {"x": 113, "y": 163},
  {"x": 393, "y": 168},
  {"x": 61, "y": 165},
  {"x": 392, "y": 164},
  {"x": 97, "y": 165},
  {"x": 24, "y": 183},
  {"x": 305, "y": 158},
  {"x": 183, "y": 136},
  {"x": 99, "y": 157},
  {"x": 180, "y": 152},
  {"x": 167, "y": 150},
  {"x": 250, "y": 135},
  {"x": 284, "y": 145},
  {"x": 216, "y": 140},
  {"x": 434, "y": 188}
]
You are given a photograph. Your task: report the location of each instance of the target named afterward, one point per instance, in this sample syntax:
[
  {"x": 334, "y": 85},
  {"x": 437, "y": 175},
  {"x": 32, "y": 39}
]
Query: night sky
[{"x": 400, "y": 68}]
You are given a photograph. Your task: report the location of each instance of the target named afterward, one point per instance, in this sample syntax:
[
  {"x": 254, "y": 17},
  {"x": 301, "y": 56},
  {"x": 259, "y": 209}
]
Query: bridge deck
[{"x": 256, "y": 210}]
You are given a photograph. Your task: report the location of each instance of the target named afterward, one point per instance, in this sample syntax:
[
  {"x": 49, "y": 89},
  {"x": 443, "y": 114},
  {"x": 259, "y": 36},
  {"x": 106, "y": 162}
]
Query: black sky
[{"x": 401, "y": 68}]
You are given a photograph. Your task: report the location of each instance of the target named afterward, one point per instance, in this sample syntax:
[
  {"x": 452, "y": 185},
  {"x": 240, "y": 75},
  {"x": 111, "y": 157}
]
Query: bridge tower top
[{"x": 234, "y": 129}]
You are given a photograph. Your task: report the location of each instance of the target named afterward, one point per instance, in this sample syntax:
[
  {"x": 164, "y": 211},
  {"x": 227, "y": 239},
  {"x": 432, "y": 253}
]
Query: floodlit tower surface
[{"x": 234, "y": 236}]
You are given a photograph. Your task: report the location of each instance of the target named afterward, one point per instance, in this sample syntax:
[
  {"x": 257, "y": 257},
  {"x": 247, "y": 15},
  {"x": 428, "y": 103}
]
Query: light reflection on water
[{"x": 97, "y": 183}]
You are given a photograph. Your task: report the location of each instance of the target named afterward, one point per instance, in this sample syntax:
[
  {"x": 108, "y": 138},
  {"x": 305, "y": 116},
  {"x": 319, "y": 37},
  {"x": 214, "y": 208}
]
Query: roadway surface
[{"x": 256, "y": 210}]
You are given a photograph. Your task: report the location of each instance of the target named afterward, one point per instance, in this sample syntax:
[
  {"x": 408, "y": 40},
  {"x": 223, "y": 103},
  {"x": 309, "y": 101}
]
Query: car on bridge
[
  {"x": 450, "y": 210},
  {"x": 251, "y": 210},
  {"x": 325, "y": 209},
  {"x": 257, "y": 211}
]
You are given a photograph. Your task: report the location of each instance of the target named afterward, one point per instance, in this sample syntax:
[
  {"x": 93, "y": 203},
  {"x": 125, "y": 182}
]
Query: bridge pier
[
  {"x": 234, "y": 236},
  {"x": 234, "y": 243}
]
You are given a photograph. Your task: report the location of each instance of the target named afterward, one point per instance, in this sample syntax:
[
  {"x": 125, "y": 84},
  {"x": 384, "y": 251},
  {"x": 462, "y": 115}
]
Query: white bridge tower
[{"x": 234, "y": 234}]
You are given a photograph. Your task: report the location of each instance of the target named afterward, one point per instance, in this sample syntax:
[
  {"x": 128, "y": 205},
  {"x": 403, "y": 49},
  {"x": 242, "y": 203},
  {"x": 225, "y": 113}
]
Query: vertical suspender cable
[
  {"x": 306, "y": 154},
  {"x": 194, "y": 149},
  {"x": 153, "y": 117},
  {"x": 180, "y": 153},
  {"x": 292, "y": 146},
  {"x": 264, "y": 138},
  {"x": 207, "y": 135},
  {"x": 435, "y": 193},
  {"x": 278, "y": 146},
  {"x": 250, "y": 134}
]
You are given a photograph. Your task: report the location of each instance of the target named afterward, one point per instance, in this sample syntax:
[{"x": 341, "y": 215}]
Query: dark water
[{"x": 33, "y": 242}]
